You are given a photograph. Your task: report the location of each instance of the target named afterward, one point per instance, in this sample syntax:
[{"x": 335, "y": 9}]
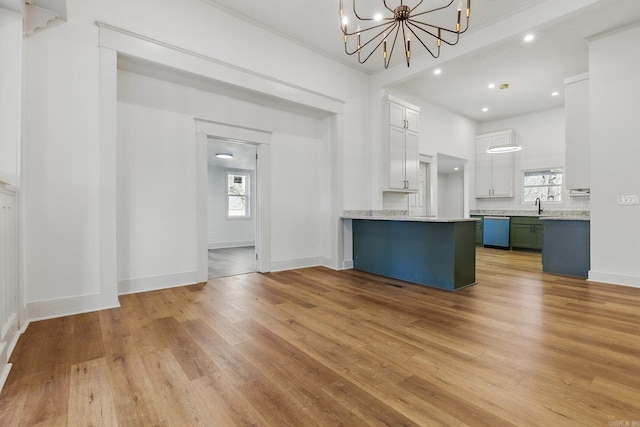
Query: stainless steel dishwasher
[{"x": 496, "y": 231}]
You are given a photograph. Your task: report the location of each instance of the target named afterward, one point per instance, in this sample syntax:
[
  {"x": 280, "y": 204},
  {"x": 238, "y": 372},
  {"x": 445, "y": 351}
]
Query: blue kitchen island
[{"x": 436, "y": 252}]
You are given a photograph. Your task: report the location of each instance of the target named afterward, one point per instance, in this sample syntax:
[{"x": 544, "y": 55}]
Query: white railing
[{"x": 9, "y": 279}]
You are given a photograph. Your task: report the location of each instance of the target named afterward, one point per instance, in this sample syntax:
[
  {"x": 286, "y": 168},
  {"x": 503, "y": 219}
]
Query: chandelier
[{"x": 404, "y": 24}]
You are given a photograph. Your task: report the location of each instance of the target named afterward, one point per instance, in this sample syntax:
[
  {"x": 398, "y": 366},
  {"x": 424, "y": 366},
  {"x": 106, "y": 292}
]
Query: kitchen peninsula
[{"x": 436, "y": 252}]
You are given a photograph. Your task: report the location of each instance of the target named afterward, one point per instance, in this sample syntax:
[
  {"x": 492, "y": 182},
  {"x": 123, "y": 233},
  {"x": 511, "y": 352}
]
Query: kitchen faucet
[{"x": 539, "y": 205}]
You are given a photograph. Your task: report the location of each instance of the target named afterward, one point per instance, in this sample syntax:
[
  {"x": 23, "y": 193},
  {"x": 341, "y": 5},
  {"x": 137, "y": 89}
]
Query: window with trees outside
[
  {"x": 545, "y": 184},
  {"x": 238, "y": 195}
]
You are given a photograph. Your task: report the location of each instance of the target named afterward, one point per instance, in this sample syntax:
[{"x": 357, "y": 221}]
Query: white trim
[
  {"x": 140, "y": 46},
  {"x": 68, "y": 306},
  {"x": 614, "y": 279},
  {"x": 154, "y": 283},
  {"x": 262, "y": 138},
  {"x": 229, "y": 132},
  {"x": 4, "y": 374},
  {"x": 225, "y": 245},
  {"x": 347, "y": 265},
  {"x": 293, "y": 264},
  {"x": 108, "y": 81}
]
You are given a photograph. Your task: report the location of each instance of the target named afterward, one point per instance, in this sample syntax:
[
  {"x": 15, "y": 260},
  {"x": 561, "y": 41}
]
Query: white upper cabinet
[
  {"x": 576, "y": 92},
  {"x": 401, "y": 146},
  {"x": 495, "y": 173}
]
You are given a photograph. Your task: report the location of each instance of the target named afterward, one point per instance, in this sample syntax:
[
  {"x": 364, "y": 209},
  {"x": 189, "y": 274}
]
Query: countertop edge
[
  {"x": 564, "y": 218},
  {"x": 409, "y": 218}
]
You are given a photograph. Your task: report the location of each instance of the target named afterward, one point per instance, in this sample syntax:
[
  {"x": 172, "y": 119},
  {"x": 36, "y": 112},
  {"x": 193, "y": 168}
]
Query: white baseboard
[
  {"x": 154, "y": 283},
  {"x": 49, "y": 309},
  {"x": 4, "y": 374},
  {"x": 292, "y": 264},
  {"x": 223, "y": 245},
  {"x": 347, "y": 265},
  {"x": 614, "y": 279}
]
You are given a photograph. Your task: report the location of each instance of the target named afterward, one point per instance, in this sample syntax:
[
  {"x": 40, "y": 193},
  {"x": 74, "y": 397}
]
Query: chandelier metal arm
[
  {"x": 370, "y": 19},
  {"x": 435, "y": 55},
  {"x": 385, "y": 5},
  {"x": 439, "y": 36},
  {"x": 389, "y": 28},
  {"x": 430, "y": 10},
  {"x": 387, "y": 57},
  {"x": 356, "y": 32},
  {"x": 419, "y": 24}
]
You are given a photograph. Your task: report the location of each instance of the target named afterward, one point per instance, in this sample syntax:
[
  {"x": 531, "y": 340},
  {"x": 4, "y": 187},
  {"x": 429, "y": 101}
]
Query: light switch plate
[{"x": 628, "y": 200}]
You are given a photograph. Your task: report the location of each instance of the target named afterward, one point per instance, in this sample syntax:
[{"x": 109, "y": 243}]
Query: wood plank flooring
[
  {"x": 231, "y": 261},
  {"x": 315, "y": 347}
]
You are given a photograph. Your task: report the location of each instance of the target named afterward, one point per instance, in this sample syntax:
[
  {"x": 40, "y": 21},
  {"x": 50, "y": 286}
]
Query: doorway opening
[
  {"x": 420, "y": 202},
  {"x": 231, "y": 207},
  {"x": 451, "y": 187}
]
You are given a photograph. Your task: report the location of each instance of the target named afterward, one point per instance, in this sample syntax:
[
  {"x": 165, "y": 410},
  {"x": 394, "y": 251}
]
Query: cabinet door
[
  {"x": 396, "y": 158},
  {"x": 413, "y": 118},
  {"x": 521, "y": 236},
  {"x": 412, "y": 165},
  {"x": 499, "y": 140},
  {"x": 483, "y": 175},
  {"x": 502, "y": 175},
  {"x": 537, "y": 237},
  {"x": 396, "y": 115}
]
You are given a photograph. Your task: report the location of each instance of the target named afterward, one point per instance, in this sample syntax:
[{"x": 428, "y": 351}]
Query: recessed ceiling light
[
  {"x": 437, "y": 71},
  {"x": 529, "y": 38},
  {"x": 491, "y": 86},
  {"x": 224, "y": 155},
  {"x": 555, "y": 93},
  {"x": 456, "y": 169},
  {"x": 485, "y": 109},
  {"x": 377, "y": 17}
]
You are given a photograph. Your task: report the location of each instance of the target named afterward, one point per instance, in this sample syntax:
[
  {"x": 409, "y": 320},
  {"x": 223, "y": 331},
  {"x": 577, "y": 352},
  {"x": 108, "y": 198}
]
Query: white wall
[
  {"x": 451, "y": 195},
  {"x": 10, "y": 98},
  {"x": 614, "y": 66},
  {"x": 227, "y": 232},
  {"x": 542, "y": 138},
  {"x": 156, "y": 184},
  {"x": 296, "y": 196},
  {"x": 68, "y": 262}
]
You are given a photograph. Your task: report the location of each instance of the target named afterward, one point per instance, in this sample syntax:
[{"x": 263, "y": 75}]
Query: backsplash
[{"x": 580, "y": 203}]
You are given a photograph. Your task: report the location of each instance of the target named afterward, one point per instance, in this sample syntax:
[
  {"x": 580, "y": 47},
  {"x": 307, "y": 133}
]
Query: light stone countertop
[
  {"x": 387, "y": 215},
  {"x": 564, "y": 218},
  {"x": 555, "y": 214}
]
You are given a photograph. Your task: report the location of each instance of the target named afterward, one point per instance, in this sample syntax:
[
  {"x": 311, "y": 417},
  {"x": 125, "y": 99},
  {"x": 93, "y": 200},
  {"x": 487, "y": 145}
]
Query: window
[
  {"x": 238, "y": 195},
  {"x": 545, "y": 184}
]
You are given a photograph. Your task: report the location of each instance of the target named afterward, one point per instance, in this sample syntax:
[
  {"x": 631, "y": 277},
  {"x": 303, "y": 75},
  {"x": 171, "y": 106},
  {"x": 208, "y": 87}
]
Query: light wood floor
[
  {"x": 315, "y": 347},
  {"x": 231, "y": 261}
]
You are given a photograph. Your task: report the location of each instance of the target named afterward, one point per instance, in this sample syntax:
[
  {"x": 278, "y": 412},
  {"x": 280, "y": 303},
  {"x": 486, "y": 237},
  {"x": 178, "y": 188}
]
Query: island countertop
[{"x": 399, "y": 216}]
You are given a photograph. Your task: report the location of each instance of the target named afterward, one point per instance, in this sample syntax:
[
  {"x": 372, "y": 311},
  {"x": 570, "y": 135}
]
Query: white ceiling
[
  {"x": 244, "y": 155},
  {"x": 532, "y": 70}
]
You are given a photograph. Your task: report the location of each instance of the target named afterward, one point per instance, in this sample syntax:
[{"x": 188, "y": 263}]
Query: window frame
[
  {"x": 247, "y": 174},
  {"x": 541, "y": 171}
]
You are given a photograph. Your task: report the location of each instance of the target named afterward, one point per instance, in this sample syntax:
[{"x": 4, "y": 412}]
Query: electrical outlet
[{"x": 628, "y": 200}]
